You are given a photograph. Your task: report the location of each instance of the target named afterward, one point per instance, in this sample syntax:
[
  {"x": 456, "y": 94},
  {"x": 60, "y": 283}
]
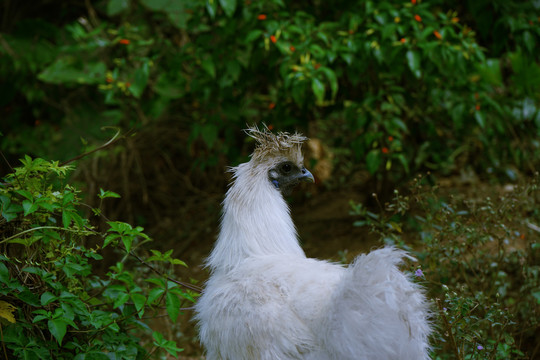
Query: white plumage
[{"x": 266, "y": 300}]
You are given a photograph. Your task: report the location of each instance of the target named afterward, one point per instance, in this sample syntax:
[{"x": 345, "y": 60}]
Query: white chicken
[{"x": 266, "y": 300}]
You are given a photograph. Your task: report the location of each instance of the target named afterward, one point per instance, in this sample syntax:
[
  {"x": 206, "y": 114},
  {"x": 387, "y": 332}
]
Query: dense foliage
[
  {"x": 56, "y": 305},
  {"x": 401, "y": 85},
  {"x": 478, "y": 257}
]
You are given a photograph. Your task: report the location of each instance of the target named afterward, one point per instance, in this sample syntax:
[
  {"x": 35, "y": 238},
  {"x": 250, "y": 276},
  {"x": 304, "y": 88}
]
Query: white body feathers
[{"x": 266, "y": 300}]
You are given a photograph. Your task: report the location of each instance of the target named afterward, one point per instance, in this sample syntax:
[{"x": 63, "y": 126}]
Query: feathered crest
[{"x": 270, "y": 144}]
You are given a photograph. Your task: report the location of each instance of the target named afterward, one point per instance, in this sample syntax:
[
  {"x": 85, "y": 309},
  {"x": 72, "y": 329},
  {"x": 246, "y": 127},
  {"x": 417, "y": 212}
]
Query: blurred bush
[{"x": 390, "y": 86}]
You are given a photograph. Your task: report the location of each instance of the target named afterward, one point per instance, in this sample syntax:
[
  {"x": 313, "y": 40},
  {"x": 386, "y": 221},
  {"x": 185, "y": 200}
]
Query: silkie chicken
[{"x": 265, "y": 300}]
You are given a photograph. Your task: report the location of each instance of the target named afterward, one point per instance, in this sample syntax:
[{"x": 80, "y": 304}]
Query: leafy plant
[
  {"x": 478, "y": 258},
  {"x": 54, "y": 304},
  {"x": 391, "y": 85}
]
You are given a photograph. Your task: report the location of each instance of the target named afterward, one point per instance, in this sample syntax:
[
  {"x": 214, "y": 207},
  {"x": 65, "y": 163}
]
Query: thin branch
[
  {"x": 3, "y": 343},
  {"x": 41, "y": 228},
  {"x": 8, "y": 48},
  {"x": 112, "y": 141},
  {"x": 449, "y": 330},
  {"x": 181, "y": 283}
]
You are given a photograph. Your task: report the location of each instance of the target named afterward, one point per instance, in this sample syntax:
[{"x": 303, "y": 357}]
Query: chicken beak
[{"x": 307, "y": 176}]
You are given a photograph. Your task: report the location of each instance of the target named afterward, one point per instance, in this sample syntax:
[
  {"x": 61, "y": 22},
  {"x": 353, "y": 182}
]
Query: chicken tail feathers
[{"x": 377, "y": 311}]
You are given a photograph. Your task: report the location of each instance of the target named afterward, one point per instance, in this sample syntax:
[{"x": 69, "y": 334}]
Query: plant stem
[{"x": 41, "y": 228}]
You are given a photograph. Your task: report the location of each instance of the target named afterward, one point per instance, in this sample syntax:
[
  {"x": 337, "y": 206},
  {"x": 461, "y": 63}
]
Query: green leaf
[
  {"x": 209, "y": 134},
  {"x": 109, "y": 238},
  {"x": 318, "y": 89},
  {"x": 58, "y": 328},
  {"x": 253, "y": 35},
  {"x": 115, "y": 7},
  {"x": 71, "y": 268},
  {"x": 47, "y": 298},
  {"x": 107, "y": 194},
  {"x": 4, "y": 273},
  {"x": 398, "y": 124},
  {"x": 529, "y": 41},
  {"x": 413, "y": 60},
  {"x": 211, "y": 7},
  {"x": 29, "y": 297},
  {"x": 66, "y": 218},
  {"x": 158, "y": 337},
  {"x": 178, "y": 262},
  {"x": 39, "y": 318},
  {"x": 73, "y": 70},
  {"x": 228, "y": 6},
  {"x": 140, "y": 81},
  {"x": 127, "y": 241},
  {"x": 172, "y": 302},
  {"x": 404, "y": 162},
  {"x": 97, "y": 355},
  {"x": 208, "y": 66},
  {"x": 119, "y": 226},
  {"x": 139, "y": 300},
  {"x": 168, "y": 345},
  {"x": 68, "y": 198},
  {"x": 157, "y": 281},
  {"x": 175, "y": 10},
  {"x": 480, "y": 119},
  {"x": 332, "y": 79},
  {"x": 536, "y": 295},
  {"x": 29, "y": 207},
  {"x": 348, "y": 58},
  {"x": 34, "y": 270},
  {"x": 154, "y": 294},
  {"x": 9, "y": 216},
  {"x": 373, "y": 160},
  {"x": 183, "y": 294},
  {"x": 27, "y": 194},
  {"x": 490, "y": 71}
]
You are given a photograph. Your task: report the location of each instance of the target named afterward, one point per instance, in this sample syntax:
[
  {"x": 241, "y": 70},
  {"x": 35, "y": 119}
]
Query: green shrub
[
  {"x": 401, "y": 85},
  {"x": 54, "y": 304},
  {"x": 479, "y": 259}
]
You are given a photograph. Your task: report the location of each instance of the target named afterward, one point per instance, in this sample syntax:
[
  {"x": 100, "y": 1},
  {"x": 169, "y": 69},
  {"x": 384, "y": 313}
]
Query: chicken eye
[{"x": 286, "y": 167}]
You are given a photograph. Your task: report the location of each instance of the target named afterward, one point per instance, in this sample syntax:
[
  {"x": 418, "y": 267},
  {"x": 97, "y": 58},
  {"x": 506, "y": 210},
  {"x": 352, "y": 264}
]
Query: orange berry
[
  {"x": 403, "y": 40},
  {"x": 455, "y": 20},
  {"x": 292, "y": 48},
  {"x": 390, "y": 138},
  {"x": 273, "y": 39},
  {"x": 270, "y": 127},
  {"x": 271, "y": 106},
  {"x": 124, "y": 41},
  {"x": 477, "y": 107},
  {"x": 413, "y": 2},
  {"x": 417, "y": 18},
  {"x": 385, "y": 150},
  {"x": 261, "y": 17},
  {"x": 437, "y": 35}
]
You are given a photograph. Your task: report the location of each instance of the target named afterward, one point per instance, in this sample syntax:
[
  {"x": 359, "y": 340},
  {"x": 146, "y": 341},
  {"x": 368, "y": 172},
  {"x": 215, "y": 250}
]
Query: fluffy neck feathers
[{"x": 256, "y": 220}]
